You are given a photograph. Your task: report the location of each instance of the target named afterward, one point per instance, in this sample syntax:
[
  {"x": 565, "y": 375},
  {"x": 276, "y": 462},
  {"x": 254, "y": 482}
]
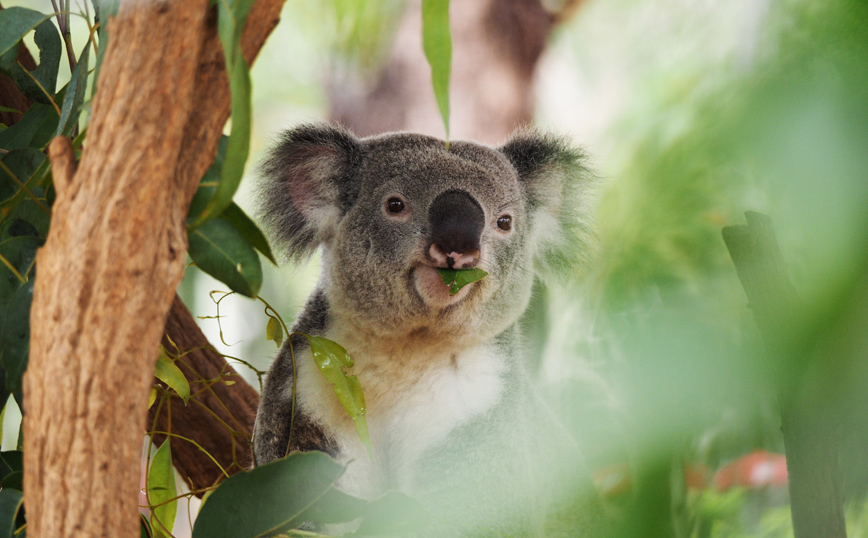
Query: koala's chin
[{"x": 451, "y": 409}]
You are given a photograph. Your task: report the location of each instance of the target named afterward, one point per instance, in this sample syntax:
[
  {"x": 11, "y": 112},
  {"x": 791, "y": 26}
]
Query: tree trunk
[
  {"x": 496, "y": 46},
  {"x": 808, "y": 421},
  {"x": 113, "y": 258}
]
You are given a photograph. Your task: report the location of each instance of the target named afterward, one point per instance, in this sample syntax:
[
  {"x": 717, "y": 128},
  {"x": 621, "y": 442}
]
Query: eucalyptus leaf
[
  {"x": 15, "y": 335},
  {"x": 331, "y": 359},
  {"x": 161, "y": 488},
  {"x": 236, "y": 509},
  {"x": 274, "y": 331},
  {"x": 220, "y": 250},
  {"x": 31, "y": 129},
  {"x": 23, "y": 163},
  {"x": 208, "y": 184},
  {"x": 251, "y": 232},
  {"x": 437, "y": 43},
  {"x": 15, "y": 23},
  {"x": 11, "y": 461},
  {"x": 74, "y": 96},
  {"x": 169, "y": 373},
  {"x": 14, "y": 480},
  {"x": 231, "y": 15},
  {"x": 458, "y": 278},
  {"x": 10, "y": 504},
  {"x": 47, "y": 39},
  {"x": 393, "y": 514}
]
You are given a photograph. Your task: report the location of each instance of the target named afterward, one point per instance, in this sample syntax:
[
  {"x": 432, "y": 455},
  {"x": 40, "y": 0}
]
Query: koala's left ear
[{"x": 558, "y": 195}]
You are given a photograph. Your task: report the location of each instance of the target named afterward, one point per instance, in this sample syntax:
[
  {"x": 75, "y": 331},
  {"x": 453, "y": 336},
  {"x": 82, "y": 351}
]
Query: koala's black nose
[{"x": 456, "y": 221}]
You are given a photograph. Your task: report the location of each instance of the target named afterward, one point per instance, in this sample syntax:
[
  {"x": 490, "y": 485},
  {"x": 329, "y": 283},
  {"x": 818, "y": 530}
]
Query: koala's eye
[
  {"x": 395, "y": 205},
  {"x": 505, "y": 223}
]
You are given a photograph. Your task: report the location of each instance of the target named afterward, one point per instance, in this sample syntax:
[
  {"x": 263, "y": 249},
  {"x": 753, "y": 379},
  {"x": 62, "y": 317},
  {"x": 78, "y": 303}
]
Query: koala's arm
[{"x": 272, "y": 431}]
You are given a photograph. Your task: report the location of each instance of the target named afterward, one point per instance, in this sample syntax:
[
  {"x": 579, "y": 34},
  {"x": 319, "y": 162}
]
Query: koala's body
[{"x": 452, "y": 415}]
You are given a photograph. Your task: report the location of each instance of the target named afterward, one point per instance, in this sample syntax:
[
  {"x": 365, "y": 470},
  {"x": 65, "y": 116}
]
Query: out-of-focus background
[{"x": 692, "y": 112}]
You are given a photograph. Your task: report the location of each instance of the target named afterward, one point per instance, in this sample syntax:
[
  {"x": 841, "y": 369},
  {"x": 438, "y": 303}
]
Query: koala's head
[{"x": 389, "y": 210}]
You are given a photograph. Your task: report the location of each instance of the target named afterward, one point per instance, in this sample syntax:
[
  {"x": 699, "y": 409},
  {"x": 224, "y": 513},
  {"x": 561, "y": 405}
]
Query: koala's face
[{"x": 390, "y": 210}]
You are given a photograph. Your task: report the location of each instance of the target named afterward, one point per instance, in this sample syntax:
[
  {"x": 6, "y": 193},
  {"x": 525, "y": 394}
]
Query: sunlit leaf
[
  {"x": 331, "y": 359},
  {"x": 161, "y": 488},
  {"x": 74, "y": 96},
  {"x": 458, "y": 278},
  {"x": 152, "y": 397},
  {"x": 437, "y": 42},
  {"x": 231, "y": 15},
  {"x": 274, "y": 331},
  {"x": 169, "y": 373},
  {"x": 10, "y": 503},
  {"x": 237, "y": 509},
  {"x": 220, "y": 250},
  {"x": 15, "y": 23}
]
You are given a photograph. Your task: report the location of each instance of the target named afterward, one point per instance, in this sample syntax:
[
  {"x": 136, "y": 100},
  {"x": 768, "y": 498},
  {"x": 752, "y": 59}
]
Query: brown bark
[
  {"x": 496, "y": 47},
  {"x": 808, "y": 424},
  {"x": 114, "y": 255},
  {"x": 219, "y": 416}
]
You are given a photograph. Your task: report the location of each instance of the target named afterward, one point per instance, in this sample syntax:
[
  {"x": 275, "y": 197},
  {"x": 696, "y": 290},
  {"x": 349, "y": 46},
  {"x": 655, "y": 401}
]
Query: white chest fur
[{"x": 414, "y": 398}]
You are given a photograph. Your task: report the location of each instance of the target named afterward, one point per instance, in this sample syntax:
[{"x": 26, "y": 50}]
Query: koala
[{"x": 453, "y": 417}]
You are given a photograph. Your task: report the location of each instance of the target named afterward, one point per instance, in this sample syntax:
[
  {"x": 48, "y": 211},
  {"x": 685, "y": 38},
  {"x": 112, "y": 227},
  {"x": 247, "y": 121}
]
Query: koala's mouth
[{"x": 432, "y": 290}]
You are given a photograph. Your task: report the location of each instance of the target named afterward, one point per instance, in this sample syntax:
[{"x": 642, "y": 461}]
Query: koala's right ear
[{"x": 308, "y": 184}]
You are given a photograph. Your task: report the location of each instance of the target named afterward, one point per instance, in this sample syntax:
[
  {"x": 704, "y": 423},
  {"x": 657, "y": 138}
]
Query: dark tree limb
[
  {"x": 808, "y": 423},
  {"x": 219, "y": 416}
]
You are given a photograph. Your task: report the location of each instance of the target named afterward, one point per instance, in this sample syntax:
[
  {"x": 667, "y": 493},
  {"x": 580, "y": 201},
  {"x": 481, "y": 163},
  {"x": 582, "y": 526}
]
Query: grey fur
[{"x": 325, "y": 188}]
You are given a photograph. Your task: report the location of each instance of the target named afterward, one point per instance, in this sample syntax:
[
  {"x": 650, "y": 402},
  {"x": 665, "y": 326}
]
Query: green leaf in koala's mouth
[{"x": 458, "y": 278}]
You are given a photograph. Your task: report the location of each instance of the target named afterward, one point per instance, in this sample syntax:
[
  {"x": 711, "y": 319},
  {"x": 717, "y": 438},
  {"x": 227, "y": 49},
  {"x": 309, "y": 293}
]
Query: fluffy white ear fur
[
  {"x": 557, "y": 187},
  {"x": 308, "y": 186}
]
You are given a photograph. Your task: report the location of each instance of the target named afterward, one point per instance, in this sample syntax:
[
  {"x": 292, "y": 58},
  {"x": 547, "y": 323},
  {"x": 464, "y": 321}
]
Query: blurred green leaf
[
  {"x": 15, "y": 334},
  {"x": 11, "y": 461},
  {"x": 47, "y": 38},
  {"x": 248, "y": 229},
  {"x": 10, "y": 503},
  {"x": 74, "y": 96},
  {"x": 161, "y": 488},
  {"x": 169, "y": 373},
  {"x": 437, "y": 42},
  {"x": 297, "y": 482},
  {"x": 14, "y": 480},
  {"x": 220, "y": 250},
  {"x": 34, "y": 129},
  {"x": 331, "y": 359},
  {"x": 274, "y": 331},
  {"x": 231, "y": 15},
  {"x": 15, "y": 23},
  {"x": 393, "y": 514},
  {"x": 458, "y": 278},
  {"x": 23, "y": 163}
]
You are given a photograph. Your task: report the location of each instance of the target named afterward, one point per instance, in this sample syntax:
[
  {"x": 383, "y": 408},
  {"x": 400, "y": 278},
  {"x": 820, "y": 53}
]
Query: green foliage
[
  {"x": 456, "y": 279},
  {"x": 11, "y": 505},
  {"x": 218, "y": 248},
  {"x": 230, "y": 23},
  {"x": 162, "y": 492},
  {"x": 437, "y": 43},
  {"x": 73, "y": 98},
  {"x": 331, "y": 359},
  {"x": 169, "y": 373},
  {"x": 226, "y": 246}
]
